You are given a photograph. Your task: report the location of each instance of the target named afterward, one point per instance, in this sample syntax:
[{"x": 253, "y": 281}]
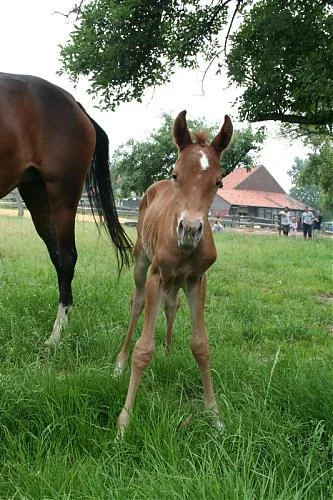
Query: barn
[{"x": 253, "y": 193}]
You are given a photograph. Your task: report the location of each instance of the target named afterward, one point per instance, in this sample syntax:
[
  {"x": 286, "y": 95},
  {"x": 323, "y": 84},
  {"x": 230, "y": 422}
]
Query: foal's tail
[{"x": 101, "y": 199}]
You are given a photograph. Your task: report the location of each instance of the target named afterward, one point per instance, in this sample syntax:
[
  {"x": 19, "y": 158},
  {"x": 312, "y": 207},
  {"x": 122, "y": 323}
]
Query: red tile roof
[
  {"x": 237, "y": 176},
  {"x": 267, "y": 193},
  {"x": 259, "y": 199}
]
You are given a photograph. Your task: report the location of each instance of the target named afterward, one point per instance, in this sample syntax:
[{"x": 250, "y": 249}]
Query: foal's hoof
[
  {"x": 220, "y": 427},
  {"x": 118, "y": 371},
  {"x": 52, "y": 341},
  {"x": 120, "y": 435},
  {"x": 186, "y": 421},
  {"x": 122, "y": 423}
]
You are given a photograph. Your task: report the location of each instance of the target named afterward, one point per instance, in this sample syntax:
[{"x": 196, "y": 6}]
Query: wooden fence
[{"x": 14, "y": 201}]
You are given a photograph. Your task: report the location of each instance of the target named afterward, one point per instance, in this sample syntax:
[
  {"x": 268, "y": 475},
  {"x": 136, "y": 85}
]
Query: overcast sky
[{"x": 30, "y": 34}]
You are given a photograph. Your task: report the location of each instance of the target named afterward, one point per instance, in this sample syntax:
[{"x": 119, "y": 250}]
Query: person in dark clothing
[{"x": 317, "y": 222}]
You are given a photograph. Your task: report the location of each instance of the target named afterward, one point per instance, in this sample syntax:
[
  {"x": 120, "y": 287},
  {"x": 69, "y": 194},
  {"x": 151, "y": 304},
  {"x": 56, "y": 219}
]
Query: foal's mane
[{"x": 200, "y": 137}]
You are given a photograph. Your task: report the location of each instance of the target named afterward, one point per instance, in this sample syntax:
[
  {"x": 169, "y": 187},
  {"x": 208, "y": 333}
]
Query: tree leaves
[
  {"x": 313, "y": 178},
  {"x": 302, "y": 189},
  {"x": 282, "y": 55},
  {"x": 127, "y": 46}
]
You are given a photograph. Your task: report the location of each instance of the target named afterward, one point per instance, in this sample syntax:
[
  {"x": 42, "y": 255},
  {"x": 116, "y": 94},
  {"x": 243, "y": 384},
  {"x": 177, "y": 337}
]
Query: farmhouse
[{"x": 253, "y": 193}]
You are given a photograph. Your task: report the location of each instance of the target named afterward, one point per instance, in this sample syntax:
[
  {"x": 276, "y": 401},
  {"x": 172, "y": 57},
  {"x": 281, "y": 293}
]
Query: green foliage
[
  {"x": 282, "y": 56},
  {"x": 306, "y": 192},
  {"x": 137, "y": 164},
  {"x": 268, "y": 315},
  {"x": 246, "y": 143},
  {"x": 313, "y": 178},
  {"x": 319, "y": 171},
  {"x": 125, "y": 47}
]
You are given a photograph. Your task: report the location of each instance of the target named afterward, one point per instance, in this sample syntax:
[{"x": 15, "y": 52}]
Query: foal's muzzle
[{"x": 189, "y": 234}]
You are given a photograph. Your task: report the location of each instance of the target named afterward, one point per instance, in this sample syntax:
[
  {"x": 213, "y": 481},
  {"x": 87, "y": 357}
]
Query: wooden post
[{"x": 20, "y": 210}]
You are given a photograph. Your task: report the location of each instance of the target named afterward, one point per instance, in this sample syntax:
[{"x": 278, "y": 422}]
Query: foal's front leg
[
  {"x": 137, "y": 304},
  {"x": 195, "y": 291},
  {"x": 144, "y": 348}
]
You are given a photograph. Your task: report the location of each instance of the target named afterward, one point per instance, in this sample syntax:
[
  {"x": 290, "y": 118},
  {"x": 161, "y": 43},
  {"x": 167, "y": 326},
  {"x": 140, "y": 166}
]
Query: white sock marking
[{"x": 61, "y": 322}]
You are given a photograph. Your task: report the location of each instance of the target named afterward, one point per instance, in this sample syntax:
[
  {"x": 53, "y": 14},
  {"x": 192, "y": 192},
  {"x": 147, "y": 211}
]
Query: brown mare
[
  {"x": 49, "y": 147},
  {"x": 175, "y": 240}
]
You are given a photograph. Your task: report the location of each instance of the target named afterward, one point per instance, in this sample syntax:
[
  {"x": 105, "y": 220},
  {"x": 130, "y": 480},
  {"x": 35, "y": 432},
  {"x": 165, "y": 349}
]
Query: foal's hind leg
[
  {"x": 170, "y": 309},
  {"x": 57, "y": 231},
  {"x": 195, "y": 292},
  {"x": 137, "y": 304}
]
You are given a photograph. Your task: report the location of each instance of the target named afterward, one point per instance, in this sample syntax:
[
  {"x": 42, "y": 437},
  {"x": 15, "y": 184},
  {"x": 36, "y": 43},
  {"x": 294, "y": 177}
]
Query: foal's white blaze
[
  {"x": 61, "y": 322},
  {"x": 203, "y": 160}
]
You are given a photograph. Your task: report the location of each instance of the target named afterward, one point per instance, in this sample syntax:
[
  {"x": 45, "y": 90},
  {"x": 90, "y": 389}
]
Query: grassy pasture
[{"x": 269, "y": 317}]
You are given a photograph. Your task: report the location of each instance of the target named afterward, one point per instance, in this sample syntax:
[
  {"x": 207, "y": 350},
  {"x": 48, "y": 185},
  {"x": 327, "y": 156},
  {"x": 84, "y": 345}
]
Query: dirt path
[{"x": 79, "y": 216}]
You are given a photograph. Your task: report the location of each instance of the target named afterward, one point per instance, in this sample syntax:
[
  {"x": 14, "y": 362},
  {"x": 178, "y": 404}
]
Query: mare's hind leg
[
  {"x": 170, "y": 308},
  {"x": 64, "y": 220},
  {"x": 137, "y": 304},
  {"x": 57, "y": 231}
]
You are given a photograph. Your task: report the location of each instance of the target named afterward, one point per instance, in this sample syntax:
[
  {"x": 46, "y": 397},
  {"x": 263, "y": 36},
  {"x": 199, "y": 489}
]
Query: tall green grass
[{"x": 269, "y": 318}]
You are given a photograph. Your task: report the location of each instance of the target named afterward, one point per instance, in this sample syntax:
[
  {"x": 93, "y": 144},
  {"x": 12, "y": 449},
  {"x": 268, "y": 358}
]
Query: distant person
[
  {"x": 284, "y": 218},
  {"x": 317, "y": 222},
  {"x": 293, "y": 226},
  {"x": 307, "y": 220},
  {"x": 217, "y": 227},
  {"x": 300, "y": 224}
]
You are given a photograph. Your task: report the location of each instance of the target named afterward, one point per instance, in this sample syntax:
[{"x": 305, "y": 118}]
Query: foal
[{"x": 175, "y": 240}]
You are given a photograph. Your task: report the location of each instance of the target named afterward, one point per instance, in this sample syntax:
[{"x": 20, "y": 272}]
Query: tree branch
[
  {"x": 217, "y": 9},
  {"x": 75, "y": 10},
  {"x": 318, "y": 119},
  {"x": 239, "y": 2}
]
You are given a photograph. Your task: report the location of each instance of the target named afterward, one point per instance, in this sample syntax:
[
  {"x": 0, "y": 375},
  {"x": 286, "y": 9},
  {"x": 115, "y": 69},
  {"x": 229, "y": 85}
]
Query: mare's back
[
  {"x": 41, "y": 121},
  {"x": 27, "y": 100},
  {"x": 31, "y": 87}
]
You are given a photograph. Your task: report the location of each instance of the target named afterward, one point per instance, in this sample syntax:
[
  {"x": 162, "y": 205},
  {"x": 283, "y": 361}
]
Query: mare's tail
[{"x": 101, "y": 199}]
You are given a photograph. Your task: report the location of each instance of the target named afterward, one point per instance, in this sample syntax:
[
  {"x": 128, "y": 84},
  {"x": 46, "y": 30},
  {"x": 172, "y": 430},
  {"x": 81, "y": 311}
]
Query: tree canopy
[
  {"x": 137, "y": 164},
  {"x": 281, "y": 53},
  {"x": 127, "y": 46},
  {"x": 308, "y": 193},
  {"x": 319, "y": 172},
  {"x": 313, "y": 178}
]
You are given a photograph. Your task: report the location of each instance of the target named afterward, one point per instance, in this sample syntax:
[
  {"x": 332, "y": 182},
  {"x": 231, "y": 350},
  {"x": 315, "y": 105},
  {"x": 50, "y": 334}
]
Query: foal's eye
[
  {"x": 174, "y": 176},
  {"x": 219, "y": 183}
]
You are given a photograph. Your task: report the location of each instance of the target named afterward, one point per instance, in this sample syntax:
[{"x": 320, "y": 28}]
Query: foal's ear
[
  {"x": 181, "y": 135},
  {"x": 223, "y": 138}
]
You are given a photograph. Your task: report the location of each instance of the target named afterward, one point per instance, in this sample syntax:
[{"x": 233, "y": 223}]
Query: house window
[{"x": 242, "y": 210}]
